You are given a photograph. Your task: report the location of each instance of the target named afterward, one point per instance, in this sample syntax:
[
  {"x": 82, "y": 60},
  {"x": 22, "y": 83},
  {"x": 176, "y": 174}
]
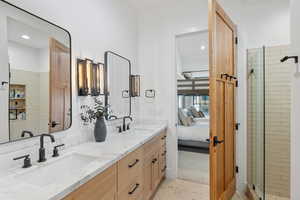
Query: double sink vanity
[
  {"x": 127, "y": 166},
  {"x": 126, "y": 163}
]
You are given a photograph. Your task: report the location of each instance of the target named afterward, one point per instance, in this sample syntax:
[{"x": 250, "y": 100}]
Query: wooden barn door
[{"x": 223, "y": 81}]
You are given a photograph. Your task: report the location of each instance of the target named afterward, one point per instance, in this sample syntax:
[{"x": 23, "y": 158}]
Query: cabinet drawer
[
  {"x": 152, "y": 145},
  {"x": 102, "y": 187},
  {"x": 129, "y": 167},
  {"x": 133, "y": 190}
]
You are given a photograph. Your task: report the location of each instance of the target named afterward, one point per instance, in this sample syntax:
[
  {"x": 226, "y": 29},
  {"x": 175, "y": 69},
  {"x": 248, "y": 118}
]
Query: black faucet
[
  {"x": 55, "y": 150},
  {"x": 27, "y": 132},
  {"x": 27, "y": 161},
  {"x": 42, "y": 151},
  {"x": 124, "y": 122}
]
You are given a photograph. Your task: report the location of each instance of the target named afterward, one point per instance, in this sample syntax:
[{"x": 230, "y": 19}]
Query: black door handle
[
  {"x": 226, "y": 76},
  {"x": 216, "y": 141}
]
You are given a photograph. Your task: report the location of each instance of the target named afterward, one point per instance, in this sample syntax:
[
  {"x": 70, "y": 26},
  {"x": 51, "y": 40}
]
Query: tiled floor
[
  {"x": 193, "y": 167},
  {"x": 184, "y": 190},
  {"x": 272, "y": 197}
]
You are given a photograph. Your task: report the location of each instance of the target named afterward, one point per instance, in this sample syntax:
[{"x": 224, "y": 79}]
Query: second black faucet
[{"x": 42, "y": 151}]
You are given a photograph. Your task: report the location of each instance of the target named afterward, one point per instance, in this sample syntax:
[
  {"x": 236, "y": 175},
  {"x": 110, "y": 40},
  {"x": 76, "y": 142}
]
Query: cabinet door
[
  {"x": 148, "y": 177},
  {"x": 102, "y": 187},
  {"x": 162, "y": 163},
  {"x": 155, "y": 170}
]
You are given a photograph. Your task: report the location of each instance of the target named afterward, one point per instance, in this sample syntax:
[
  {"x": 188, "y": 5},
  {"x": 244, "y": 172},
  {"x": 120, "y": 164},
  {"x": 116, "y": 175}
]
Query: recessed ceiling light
[
  {"x": 25, "y": 37},
  {"x": 203, "y": 47}
]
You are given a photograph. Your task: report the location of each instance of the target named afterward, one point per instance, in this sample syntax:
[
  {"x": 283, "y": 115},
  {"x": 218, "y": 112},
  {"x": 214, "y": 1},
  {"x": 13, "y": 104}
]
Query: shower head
[{"x": 289, "y": 57}]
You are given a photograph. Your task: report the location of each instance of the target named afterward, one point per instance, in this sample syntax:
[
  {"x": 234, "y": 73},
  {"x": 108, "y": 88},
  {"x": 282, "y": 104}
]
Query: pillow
[
  {"x": 195, "y": 113},
  {"x": 201, "y": 114},
  {"x": 184, "y": 119}
]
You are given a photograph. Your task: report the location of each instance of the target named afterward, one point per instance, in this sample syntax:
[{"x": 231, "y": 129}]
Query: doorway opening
[{"x": 192, "y": 61}]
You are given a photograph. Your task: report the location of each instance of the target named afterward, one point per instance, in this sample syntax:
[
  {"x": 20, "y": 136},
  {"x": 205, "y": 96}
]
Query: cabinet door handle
[
  {"x": 134, "y": 189},
  {"x": 164, "y": 169},
  {"x": 164, "y": 153},
  {"x": 133, "y": 164},
  {"x": 164, "y": 137},
  {"x": 154, "y": 160}
]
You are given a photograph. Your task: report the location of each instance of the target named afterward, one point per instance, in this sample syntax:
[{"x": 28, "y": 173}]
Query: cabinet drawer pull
[
  {"x": 164, "y": 169},
  {"x": 134, "y": 189},
  {"x": 154, "y": 160},
  {"x": 164, "y": 153},
  {"x": 133, "y": 164},
  {"x": 164, "y": 137}
]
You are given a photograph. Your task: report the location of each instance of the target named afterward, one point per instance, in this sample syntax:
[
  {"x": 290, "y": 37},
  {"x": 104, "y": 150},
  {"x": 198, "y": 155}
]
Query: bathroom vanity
[
  {"x": 130, "y": 165},
  {"x": 135, "y": 176}
]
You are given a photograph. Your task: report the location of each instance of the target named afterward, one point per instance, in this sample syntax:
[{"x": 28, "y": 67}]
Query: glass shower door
[{"x": 256, "y": 120}]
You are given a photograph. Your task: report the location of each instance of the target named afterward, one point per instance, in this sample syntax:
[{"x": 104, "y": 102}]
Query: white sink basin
[
  {"x": 136, "y": 134},
  {"x": 62, "y": 169}
]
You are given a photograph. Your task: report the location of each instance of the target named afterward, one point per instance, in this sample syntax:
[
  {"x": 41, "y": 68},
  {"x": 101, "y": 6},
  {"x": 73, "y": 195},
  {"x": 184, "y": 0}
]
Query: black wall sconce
[
  {"x": 90, "y": 78},
  {"x": 135, "y": 85}
]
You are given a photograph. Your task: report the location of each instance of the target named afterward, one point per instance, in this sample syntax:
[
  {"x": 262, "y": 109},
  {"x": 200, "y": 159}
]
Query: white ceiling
[
  {"x": 189, "y": 48},
  {"x": 15, "y": 30},
  {"x": 144, "y": 4}
]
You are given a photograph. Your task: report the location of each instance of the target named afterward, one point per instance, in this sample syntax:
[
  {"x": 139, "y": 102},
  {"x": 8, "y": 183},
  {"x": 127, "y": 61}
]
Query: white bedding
[{"x": 197, "y": 132}]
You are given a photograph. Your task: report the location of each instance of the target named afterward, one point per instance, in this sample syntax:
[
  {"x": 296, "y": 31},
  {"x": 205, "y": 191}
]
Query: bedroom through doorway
[{"x": 192, "y": 64}]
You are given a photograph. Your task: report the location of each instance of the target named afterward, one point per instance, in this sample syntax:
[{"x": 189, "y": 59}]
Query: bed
[{"x": 194, "y": 138}]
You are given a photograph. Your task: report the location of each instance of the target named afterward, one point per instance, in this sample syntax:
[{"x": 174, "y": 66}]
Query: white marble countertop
[{"x": 117, "y": 146}]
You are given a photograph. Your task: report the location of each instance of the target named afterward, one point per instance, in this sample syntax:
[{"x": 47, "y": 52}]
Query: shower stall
[{"x": 268, "y": 128}]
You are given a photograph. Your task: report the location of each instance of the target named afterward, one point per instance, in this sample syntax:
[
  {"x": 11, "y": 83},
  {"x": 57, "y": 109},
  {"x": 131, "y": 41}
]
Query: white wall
[
  {"x": 295, "y": 126},
  {"x": 22, "y": 57},
  {"x": 268, "y": 23},
  {"x": 105, "y": 25},
  {"x": 158, "y": 28}
]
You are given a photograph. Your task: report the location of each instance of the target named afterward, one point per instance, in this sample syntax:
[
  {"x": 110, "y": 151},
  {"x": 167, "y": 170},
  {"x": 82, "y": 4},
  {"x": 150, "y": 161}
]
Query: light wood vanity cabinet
[
  {"x": 135, "y": 177},
  {"x": 163, "y": 155},
  {"x": 102, "y": 187},
  {"x": 130, "y": 176},
  {"x": 154, "y": 164}
]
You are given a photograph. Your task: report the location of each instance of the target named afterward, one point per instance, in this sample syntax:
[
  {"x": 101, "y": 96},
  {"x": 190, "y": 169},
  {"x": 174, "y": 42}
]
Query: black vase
[{"x": 100, "y": 130}]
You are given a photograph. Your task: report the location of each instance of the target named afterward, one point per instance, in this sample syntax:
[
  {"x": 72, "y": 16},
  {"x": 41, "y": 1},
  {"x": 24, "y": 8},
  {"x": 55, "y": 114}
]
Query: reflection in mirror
[
  {"x": 39, "y": 92},
  {"x": 117, "y": 95}
]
